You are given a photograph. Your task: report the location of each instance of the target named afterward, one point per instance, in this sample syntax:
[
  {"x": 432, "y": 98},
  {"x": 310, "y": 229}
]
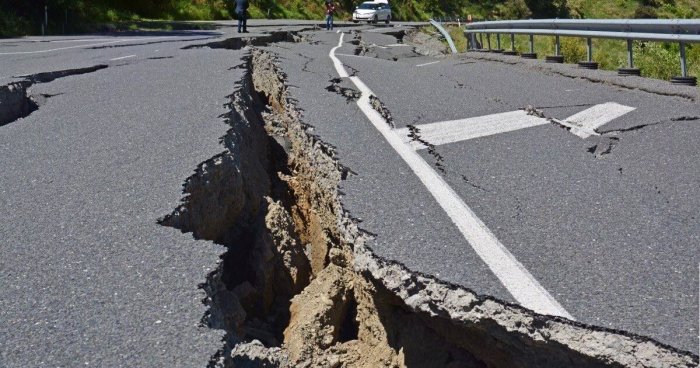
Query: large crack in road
[
  {"x": 299, "y": 286},
  {"x": 16, "y": 99}
]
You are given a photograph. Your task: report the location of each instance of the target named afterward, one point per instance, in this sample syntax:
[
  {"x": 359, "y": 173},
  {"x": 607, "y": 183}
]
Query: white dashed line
[
  {"x": 511, "y": 273},
  {"x": 83, "y": 40},
  {"x": 430, "y": 63},
  {"x": 83, "y": 46},
  {"x": 122, "y": 58},
  {"x": 336, "y": 62}
]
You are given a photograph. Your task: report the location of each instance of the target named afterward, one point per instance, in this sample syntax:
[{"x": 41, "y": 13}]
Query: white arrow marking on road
[
  {"x": 591, "y": 119},
  {"x": 582, "y": 125},
  {"x": 510, "y": 272},
  {"x": 463, "y": 129}
]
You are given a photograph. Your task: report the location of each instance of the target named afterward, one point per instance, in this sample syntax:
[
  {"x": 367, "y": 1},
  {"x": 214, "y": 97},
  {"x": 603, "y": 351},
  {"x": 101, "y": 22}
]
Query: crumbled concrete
[
  {"x": 425, "y": 44},
  {"x": 379, "y": 106}
]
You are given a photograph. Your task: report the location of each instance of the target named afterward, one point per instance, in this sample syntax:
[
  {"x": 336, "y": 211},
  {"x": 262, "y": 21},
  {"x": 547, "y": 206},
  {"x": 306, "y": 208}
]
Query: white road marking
[
  {"x": 587, "y": 121},
  {"x": 83, "y": 46},
  {"x": 463, "y": 129},
  {"x": 123, "y": 57},
  {"x": 511, "y": 273},
  {"x": 83, "y": 40},
  {"x": 397, "y": 45},
  {"x": 582, "y": 125},
  {"x": 336, "y": 62},
  {"x": 430, "y": 63}
]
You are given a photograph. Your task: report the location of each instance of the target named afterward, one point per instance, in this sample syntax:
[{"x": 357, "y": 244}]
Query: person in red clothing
[{"x": 330, "y": 9}]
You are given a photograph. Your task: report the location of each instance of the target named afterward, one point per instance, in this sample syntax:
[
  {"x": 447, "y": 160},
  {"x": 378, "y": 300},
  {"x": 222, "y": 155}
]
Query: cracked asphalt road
[
  {"x": 90, "y": 278},
  {"x": 611, "y": 233}
]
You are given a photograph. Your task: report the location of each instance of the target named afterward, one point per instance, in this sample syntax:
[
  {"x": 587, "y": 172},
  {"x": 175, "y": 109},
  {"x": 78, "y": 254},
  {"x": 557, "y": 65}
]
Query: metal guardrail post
[
  {"x": 531, "y": 54},
  {"x": 488, "y": 41},
  {"x": 512, "y": 46},
  {"x": 630, "y": 55},
  {"x": 498, "y": 43},
  {"x": 684, "y": 67},
  {"x": 481, "y": 41},
  {"x": 588, "y": 63},
  {"x": 684, "y": 79},
  {"x": 557, "y": 57},
  {"x": 589, "y": 48},
  {"x": 630, "y": 70}
]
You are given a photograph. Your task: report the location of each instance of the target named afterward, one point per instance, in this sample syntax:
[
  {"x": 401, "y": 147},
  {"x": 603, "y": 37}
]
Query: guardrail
[
  {"x": 445, "y": 34},
  {"x": 682, "y": 31}
]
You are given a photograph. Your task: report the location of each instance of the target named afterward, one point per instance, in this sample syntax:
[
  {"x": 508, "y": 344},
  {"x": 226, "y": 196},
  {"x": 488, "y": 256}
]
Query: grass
[
  {"x": 10, "y": 25},
  {"x": 458, "y": 38}
]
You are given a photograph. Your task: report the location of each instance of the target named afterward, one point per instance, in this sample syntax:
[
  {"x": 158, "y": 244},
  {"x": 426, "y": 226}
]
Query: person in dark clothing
[
  {"x": 242, "y": 15},
  {"x": 330, "y": 9}
]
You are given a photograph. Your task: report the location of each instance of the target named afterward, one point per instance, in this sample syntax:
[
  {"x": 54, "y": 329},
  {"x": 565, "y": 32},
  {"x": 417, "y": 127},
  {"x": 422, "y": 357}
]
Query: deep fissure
[
  {"x": 16, "y": 100},
  {"x": 299, "y": 286},
  {"x": 237, "y": 43}
]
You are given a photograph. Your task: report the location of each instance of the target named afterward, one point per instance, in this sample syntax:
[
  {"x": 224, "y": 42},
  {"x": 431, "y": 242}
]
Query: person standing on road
[
  {"x": 330, "y": 9},
  {"x": 242, "y": 15}
]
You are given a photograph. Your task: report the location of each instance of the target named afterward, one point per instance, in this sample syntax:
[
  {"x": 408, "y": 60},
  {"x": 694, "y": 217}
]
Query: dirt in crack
[
  {"x": 379, "y": 106},
  {"x": 299, "y": 287},
  {"x": 16, "y": 100},
  {"x": 414, "y": 134}
]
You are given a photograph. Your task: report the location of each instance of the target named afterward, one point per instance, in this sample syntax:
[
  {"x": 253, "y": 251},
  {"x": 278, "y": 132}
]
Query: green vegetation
[{"x": 22, "y": 17}]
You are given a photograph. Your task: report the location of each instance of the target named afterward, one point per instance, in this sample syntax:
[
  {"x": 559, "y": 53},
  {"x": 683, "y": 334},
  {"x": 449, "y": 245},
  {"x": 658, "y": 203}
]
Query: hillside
[{"x": 25, "y": 17}]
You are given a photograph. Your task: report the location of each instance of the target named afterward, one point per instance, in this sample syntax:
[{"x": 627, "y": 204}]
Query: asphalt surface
[{"x": 90, "y": 278}]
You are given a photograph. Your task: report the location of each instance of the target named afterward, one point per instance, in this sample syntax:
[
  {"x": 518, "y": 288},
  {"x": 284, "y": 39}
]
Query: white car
[{"x": 372, "y": 12}]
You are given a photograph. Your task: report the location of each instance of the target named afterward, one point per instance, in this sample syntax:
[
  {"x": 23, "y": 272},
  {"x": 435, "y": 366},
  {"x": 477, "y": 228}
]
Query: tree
[
  {"x": 513, "y": 9},
  {"x": 548, "y": 8}
]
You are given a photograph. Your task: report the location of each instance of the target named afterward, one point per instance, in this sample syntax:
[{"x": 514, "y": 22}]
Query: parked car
[{"x": 372, "y": 12}]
